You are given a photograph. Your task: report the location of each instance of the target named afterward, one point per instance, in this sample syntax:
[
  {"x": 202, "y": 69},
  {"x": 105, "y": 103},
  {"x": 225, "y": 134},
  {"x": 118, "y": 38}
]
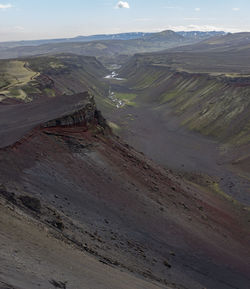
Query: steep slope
[
  {"x": 72, "y": 73},
  {"x": 189, "y": 112},
  {"x": 215, "y": 105},
  {"x": 76, "y": 188},
  {"x": 44, "y": 254},
  {"x": 17, "y": 120},
  {"x": 50, "y": 76}
]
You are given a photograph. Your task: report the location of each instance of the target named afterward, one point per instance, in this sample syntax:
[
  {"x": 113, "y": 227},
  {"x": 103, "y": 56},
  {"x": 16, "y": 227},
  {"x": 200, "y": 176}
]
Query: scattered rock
[
  {"x": 166, "y": 263},
  {"x": 5, "y": 286},
  {"x": 58, "y": 284},
  {"x": 58, "y": 224},
  {"x": 31, "y": 203},
  {"x": 7, "y": 195},
  {"x": 184, "y": 206},
  {"x": 130, "y": 156},
  {"x": 155, "y": 188}
]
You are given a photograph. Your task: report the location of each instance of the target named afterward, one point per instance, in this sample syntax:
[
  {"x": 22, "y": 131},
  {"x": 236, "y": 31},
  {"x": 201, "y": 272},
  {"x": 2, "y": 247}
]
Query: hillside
[
  {"x": 50, "y": 76},
  {"x": 201, "y": 91},
  {"x": 200, "y": 35},
  {"x": 208, "y": 89},
  {"x": 79, "y": 208},
  {"x": 197, "y": 35},
  {"x": 98, "y": 37},
  {"x": 190, "y": 112},
  {"x": 231, "y": 42},
  {"x": 106, "y": 50},
  {"x": 164, "y": 205}
]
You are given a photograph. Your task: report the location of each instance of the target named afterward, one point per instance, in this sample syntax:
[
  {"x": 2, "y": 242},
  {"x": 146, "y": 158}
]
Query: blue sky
[{"x": 36, "y": 19}]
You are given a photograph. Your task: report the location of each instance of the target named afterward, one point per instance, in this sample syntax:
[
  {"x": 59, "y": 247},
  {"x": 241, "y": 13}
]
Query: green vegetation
[
  {"x": 16, "y": 79},
  {"x": 31, "y": 89},
  {"x": 216, "y": 188},
  {"x": 53, "y": 75},
  {"x": 47, "y": 64},
  {"x": 205, "y": 182},
  {"x": 115, "y": 128},
  {"x": 148, "y": 79},
  {"x": 213, "y": 104},
  {"x": 3, "y": 81},
  {"x": 56, "y": 65},
  {"x": 207, "y": 104},
  {"x": 128, "y": 98},
  {"x": 243, "y": 137},
  {"x": 50, "y": 92},
  {"x": 168, "y": 96}
]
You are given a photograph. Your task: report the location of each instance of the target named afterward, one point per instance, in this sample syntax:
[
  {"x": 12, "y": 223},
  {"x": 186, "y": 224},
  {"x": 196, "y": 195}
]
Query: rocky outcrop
[
  {"x": 87, "y": 199},
  {"x": 83, "y": 114},
  {"x": 16, "y": 121}
]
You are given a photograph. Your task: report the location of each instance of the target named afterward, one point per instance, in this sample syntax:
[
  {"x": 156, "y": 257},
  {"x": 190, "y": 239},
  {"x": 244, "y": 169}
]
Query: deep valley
[{"x": 129, "y": 169}]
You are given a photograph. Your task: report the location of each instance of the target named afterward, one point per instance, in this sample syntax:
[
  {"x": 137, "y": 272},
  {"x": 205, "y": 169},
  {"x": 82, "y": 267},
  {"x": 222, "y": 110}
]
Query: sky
[{"x": 44, "y": 19}]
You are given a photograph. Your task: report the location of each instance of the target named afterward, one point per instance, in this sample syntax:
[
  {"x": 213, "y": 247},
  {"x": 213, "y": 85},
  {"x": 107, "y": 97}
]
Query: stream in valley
[{"x": 119, "y": 103}]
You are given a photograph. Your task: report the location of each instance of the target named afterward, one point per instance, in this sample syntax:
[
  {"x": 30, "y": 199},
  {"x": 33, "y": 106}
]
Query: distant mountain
[
  {"x": 120, "y": 36},
  {"x": 103, "y": 48},
  {"x": 200, "y": 35},
  {"x": 118, "y": 47},
  {"x": 231, "y": 42},
  {"x": 191, "y": 35},
  {"x": 98, "y": 37},
  {"x": 163, "y": 35}
]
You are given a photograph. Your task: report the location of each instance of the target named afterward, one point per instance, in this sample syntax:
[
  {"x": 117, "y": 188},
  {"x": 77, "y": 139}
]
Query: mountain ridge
[
  {"x": 94, "y": 196},
  {"x": 98, "y": 37},
  {"x": 108, "y": 51},
  {"x": 159, "y": 206}
]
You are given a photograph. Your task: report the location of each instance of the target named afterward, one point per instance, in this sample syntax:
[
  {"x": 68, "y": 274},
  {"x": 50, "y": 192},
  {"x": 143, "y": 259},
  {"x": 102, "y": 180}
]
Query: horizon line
[{"x": 148, "y": 32}]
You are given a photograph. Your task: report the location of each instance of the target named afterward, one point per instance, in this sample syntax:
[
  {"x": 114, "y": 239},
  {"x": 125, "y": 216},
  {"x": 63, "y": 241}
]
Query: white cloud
[
  {"x": 122, "y": 4},
  {"x": 5, "y": 6},
  {"x": 197, "y": 9},
  {"x": 236, "y": 9}
]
